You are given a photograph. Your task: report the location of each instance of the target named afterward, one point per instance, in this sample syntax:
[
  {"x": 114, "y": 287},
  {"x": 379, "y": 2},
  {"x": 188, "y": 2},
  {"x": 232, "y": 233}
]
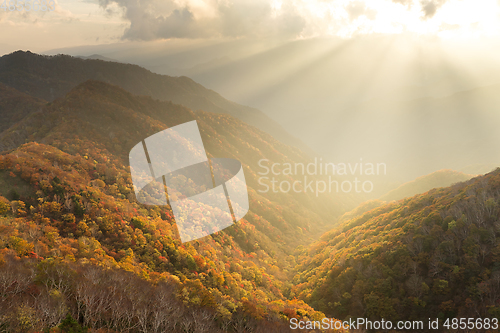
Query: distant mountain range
[
  {"x": 98, "y": 57},
  {"x": 49, "y": 78},
  {"x": 391, "y": 99}
]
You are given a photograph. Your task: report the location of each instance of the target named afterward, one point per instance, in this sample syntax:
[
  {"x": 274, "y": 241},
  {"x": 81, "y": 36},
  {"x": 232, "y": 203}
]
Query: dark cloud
[
  {"x": 241, "y": 18},
  {"x": 430, "y": 7},
  {"x": 147, "y": 24}
]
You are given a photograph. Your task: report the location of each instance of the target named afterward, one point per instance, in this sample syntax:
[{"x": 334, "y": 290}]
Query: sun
[{"x": 469, "y": 17}]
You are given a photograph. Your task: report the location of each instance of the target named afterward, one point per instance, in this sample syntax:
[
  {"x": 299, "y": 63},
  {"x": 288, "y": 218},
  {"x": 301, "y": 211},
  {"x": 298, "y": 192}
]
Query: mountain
[
  {"x": 98, "y": 57},
  {"x": 434, "y": 255},
  {"x": 478, "y": 169},
  {"x": 440, "y": 178},
  {"x": 68, "y": 213},
  {"x": 15, "y": 105},
  {"x": 361, "y": 209},
  {"x": 50, "y": 77}
]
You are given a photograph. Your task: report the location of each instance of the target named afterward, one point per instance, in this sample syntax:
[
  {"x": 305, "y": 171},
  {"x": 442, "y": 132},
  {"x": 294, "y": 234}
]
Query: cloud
[
  {"x": 404, "y": 2},
  {"x": 356, "y": 9},
  {"x": 448, "y": 27},
  {"x": 180, "y": 24},
  {"x": 256, "y": 18},
  {"x": 150, "y": 20},
  {"x": 39, "y": 18},
  {"x": 430, "y": 7},
  {"x": 279, "y": 19}
]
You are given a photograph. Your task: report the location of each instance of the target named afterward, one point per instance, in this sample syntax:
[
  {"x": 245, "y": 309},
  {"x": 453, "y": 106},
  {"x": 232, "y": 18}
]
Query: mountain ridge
[
  {"x": 47, "y": 77},
  {"x": 440, "y": 178}
]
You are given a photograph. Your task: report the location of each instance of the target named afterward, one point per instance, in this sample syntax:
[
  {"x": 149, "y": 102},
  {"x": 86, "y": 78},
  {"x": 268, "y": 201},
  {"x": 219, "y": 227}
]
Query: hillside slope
[
  {"x": 440, "y": 178},
  {"x": 432, "y": 255},
  {"x": 15, "y": 105}
]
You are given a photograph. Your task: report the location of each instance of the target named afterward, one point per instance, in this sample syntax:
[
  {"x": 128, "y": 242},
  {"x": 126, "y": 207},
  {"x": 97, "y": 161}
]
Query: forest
[
  {"x": 432, "y": 255},
  {"x": 79, "y": 253},
  {"x": 78, "y": 249}
]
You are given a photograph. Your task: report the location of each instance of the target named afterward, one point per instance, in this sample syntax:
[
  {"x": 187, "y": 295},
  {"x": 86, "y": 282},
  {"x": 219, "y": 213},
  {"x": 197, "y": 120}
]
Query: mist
[{"x": 418, "y": 104}]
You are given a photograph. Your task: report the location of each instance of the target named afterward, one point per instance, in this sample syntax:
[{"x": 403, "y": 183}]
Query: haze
[{"x": 407, "y": 83}]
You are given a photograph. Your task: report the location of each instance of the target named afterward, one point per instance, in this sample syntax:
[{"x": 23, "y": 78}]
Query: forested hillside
[
  {"x": 433, "y": 255},
  {"x": 14, "y": 106},
  {"x": 72, "y": 231}
]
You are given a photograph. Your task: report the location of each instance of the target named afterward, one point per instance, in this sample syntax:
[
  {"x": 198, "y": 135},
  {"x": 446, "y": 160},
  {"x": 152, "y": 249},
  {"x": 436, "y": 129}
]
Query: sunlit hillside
[{"x": 434, "y": 255}]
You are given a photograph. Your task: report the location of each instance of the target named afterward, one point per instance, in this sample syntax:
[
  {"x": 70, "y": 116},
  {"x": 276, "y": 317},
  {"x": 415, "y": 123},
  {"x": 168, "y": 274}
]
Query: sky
[{"x": 93, "y": 22}]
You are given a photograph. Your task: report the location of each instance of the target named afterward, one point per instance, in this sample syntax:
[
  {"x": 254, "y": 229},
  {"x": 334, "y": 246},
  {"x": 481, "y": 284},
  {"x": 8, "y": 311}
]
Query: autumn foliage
[{"x": 90, "y": 256}]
